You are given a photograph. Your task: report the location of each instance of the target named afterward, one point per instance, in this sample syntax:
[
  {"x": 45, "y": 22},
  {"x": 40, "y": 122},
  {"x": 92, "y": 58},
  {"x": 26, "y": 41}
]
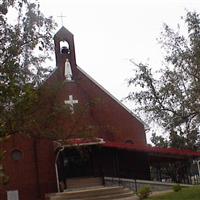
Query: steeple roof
[{"x": 62, "y": 33}]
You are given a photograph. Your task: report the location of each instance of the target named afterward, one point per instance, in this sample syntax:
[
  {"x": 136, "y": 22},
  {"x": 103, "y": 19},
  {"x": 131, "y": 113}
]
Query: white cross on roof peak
[{"x": 61, "y": 17}]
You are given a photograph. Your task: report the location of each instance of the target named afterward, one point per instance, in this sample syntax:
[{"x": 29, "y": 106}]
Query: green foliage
[
  {"x": 51, "y": 118},
  {"x": 177, "y": 188},
  {"x": 171, "y": 96},
  {"x": 3, "y": 177},
  {"x": 144, "y": 193},
  {"x": 2, "y": 155},
  {"x": 25, "y": 44},
  {"x": 159, "y": 141},
  {"x": 191, "y": 193}
]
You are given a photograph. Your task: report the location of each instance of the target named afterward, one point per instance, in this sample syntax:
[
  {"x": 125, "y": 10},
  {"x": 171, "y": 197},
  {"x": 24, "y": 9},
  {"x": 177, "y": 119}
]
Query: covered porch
[
  {"x": 165, "y": 164},
  {"x": 83, "y": 160}
]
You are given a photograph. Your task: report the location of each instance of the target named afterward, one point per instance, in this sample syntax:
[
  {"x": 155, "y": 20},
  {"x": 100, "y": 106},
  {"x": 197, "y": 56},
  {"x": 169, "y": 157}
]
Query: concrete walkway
[
  {"x": 158, "y": 193},
  {"x": 153, "y": 194}
]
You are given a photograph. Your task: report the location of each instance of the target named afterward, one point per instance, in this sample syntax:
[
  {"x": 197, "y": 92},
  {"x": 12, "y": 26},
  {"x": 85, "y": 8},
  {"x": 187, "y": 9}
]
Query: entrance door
[
  {"x": 78, "y": 163},
  {"x": 79, "y": 167}
]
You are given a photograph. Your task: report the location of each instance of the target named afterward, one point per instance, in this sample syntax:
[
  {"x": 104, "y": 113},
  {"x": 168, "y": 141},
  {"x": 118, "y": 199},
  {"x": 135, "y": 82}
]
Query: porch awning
[
  {"x": 78, "y": 142},
  {"x": 128, "y": 147},
  {"x": 152, "y": 150}
]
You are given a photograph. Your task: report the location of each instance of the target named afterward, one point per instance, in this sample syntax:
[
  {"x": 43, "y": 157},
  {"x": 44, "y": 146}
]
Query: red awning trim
[
  {"x": 123, "y": 146},
  {"x": 79, "y": 142},
  {"x": 149, "y": 149}
]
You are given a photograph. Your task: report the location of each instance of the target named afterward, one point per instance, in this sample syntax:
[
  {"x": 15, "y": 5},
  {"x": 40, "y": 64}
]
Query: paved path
[{"x": 157, "y": 193}]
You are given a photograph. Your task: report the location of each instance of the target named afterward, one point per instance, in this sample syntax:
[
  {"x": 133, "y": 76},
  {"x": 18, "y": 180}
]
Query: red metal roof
[
  {"x": 128, "y": 147},
  {"x": 149, "y": 149}
]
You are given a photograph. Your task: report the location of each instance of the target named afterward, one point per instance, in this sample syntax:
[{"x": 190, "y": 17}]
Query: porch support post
[
  {"x": 56, "y": 168},
  {"x": 114, "y": 164},
  {"x": 198, "y": 166}
]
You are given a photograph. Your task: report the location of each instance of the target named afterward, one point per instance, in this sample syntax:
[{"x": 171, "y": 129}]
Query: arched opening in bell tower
[{"x": 64, "y": 47}]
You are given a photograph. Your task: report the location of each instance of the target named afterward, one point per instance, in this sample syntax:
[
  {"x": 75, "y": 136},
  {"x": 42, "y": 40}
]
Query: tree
[
  {"x": 49, "y": 117},
  {"x": 173, "y": 99},
  {"x": 159, "y": 141},
  {"x": 28, "y": 104},
  {"x": 25, "y": 43}
]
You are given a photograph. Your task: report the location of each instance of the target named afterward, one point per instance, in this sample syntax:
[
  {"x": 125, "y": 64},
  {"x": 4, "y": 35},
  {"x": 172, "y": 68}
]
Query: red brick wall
[
  {"x": 116, "y": 122},
  {"x": 34, "y": 174},
  {"x": 113, "y": 122},
  {"x": 111, "y": 119}
]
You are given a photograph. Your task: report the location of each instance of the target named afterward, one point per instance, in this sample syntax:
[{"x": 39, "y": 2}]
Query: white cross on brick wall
[{"x": 71, "y": 103}]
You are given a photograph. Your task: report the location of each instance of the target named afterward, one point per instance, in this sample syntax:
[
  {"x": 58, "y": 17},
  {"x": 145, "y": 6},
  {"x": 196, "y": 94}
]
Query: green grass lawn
[{"x": 192, "y": 193}]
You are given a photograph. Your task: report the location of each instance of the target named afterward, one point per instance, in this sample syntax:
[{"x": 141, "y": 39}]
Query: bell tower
[{"x": 65, "y": 53}]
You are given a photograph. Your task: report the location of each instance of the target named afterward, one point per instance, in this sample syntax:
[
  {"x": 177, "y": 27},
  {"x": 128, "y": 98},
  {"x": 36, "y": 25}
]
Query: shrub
[
  {"x": 144, "y": 193},
  {"x": 177, "y": 188}
]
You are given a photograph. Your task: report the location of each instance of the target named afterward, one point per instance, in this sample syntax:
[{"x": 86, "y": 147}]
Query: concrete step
[
  {"x": 103, "y": 193},
  {"x": 86, "y": 192},
  {"x": 109, "y": 196},
  {"x": 134, "y": 197},
  {"x": 83, "y": 182},
  {"x": 106, "y": 195},
  {"x": 99, "y": 190}
]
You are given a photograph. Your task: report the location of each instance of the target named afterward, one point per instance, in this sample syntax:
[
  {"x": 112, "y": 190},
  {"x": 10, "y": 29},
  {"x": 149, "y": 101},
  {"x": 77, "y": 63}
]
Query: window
[{"x": 16, "y": 154}]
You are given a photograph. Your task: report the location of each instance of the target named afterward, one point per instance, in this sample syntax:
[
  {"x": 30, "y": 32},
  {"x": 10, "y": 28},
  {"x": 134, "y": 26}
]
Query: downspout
[{"x": 56, "y": 168}]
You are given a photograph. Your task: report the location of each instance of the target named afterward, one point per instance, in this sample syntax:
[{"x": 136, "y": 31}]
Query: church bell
[{"x": 65, "y": 50}]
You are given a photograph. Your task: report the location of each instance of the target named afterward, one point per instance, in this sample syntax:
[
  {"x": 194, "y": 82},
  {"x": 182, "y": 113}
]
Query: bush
[
  {"x": 177, "y": 188},
  {"x": 144, "y": 193}
]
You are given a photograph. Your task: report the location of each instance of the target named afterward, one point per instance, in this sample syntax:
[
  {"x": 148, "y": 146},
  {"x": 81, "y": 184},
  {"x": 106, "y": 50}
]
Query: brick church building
[{"x": 100, "y": 137}]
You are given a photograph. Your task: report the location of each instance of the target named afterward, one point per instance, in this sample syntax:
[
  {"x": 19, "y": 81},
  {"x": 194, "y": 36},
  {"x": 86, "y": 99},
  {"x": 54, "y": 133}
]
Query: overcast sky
[{"x": 110, "y": 32}]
